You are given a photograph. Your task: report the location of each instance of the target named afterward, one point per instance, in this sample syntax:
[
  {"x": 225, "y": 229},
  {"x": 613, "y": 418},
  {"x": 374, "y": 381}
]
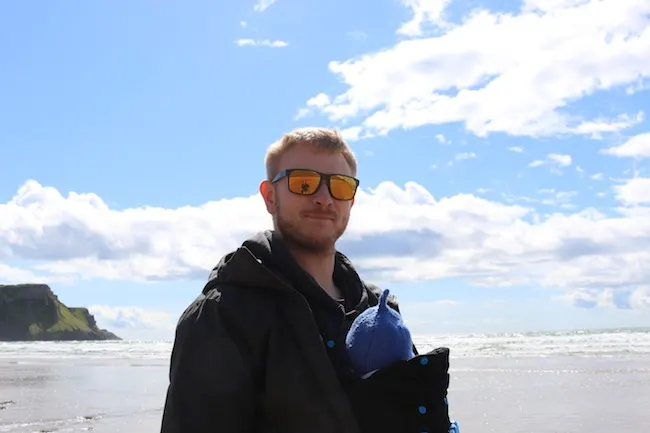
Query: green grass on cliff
[
  {"x": 80, "y": 314},
  {"x": 69, "y": 320},
  {"x": 34, "y": 312}
]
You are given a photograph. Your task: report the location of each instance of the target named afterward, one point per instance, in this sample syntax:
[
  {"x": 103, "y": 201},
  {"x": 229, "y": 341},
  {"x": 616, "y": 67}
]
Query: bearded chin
[{"x": 298, "y": 239}]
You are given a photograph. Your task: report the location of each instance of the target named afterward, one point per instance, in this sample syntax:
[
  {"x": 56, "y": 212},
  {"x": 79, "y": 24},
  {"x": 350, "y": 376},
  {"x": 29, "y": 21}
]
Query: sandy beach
[{"x": 496, "y": 387}]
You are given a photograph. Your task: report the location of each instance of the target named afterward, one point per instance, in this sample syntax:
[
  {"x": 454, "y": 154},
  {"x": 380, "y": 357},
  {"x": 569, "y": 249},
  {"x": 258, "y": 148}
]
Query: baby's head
[{"x": 378, "y": 338}]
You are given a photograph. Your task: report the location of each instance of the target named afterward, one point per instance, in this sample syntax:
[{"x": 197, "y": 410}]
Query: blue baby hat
[{"x": 378, "y": 338}]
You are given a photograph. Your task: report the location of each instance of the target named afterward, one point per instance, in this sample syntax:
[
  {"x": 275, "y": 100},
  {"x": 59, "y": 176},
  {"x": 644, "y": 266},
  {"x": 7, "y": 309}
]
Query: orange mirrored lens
[
  {"x": 343, "y": 187},
  {"x": 304, "y": 182}
]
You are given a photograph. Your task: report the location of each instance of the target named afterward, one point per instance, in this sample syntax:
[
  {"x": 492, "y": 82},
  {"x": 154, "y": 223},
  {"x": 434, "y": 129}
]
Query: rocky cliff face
[{"x": 30, "y": 312}]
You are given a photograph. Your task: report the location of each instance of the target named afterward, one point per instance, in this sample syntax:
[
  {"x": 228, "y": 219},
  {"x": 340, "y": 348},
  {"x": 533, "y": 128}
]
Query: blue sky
[{"x": 502, "y": 147}]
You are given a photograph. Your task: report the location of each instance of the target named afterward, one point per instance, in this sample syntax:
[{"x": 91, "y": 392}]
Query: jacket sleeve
[{"x": 212, "y": 386}]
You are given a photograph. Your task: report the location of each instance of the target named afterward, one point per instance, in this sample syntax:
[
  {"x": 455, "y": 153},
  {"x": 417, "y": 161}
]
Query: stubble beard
[{"x": 297, "y": 238}]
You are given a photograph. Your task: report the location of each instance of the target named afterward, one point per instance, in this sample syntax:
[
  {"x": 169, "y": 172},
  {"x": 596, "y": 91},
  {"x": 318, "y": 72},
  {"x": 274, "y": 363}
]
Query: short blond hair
[{"x": 323, "y": 139}]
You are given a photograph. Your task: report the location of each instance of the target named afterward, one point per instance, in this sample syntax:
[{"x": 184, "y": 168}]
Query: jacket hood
[{"x": 248, "y": 265}]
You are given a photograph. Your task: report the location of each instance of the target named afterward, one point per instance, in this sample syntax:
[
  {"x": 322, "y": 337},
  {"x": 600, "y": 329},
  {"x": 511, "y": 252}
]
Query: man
[{"x": 262, "y": 349}]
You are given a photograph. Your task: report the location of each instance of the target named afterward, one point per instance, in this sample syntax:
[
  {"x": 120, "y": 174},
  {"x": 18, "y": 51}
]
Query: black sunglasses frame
[{"x": 324, "y": 178}]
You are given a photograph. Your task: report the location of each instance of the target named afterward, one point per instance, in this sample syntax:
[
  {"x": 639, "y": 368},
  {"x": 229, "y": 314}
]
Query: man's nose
[{"x": 322, "y": 197}]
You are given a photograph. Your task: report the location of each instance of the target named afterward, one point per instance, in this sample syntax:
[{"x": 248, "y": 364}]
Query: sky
[{"x": 503, "y": 151}]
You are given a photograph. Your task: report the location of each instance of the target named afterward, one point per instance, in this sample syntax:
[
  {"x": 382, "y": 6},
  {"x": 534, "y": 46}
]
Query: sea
[{"x": 556, "y": 382}]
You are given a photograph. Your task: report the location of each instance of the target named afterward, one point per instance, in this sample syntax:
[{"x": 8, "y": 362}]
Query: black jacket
[
  {"x": 407, "y": 397},
  {"x": 248, "y": 357}
]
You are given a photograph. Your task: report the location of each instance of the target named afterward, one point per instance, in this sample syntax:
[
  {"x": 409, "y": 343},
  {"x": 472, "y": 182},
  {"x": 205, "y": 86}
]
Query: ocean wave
[{"x": 583, "y": 343}]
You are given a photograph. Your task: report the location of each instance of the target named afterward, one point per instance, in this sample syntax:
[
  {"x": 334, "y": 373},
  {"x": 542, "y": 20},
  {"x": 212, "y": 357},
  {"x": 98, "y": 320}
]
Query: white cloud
[
  {"x": 589, "y": 298},
  {"x": 640, "y": 85},
  {"x": 116, "y": 317},
  {"x": 596, "y": 127},
  {"x": 474, "y": 71},
  {"x": 263, "y": 5},
  {"x": 424, "y": 12},
  {"x": 553, "y": 159},
  {"x": 465, "y": 155},
  {"x": 442, "y": 139},
  {"x": 10, "y": 275},
  {"x": 261, "y": 43},
  {"x": 597, "y": 176},
  {"x": 636, "y": 299},
  {"x": 636, "y": 147},
  {"x": 316, "y": 102},
  {"x": 549, "y": 197},
  {"x": 319, "y": 101},
  {"x": 396, "y": 234},
  {"x": 634, "y": 191},
  {"x": 561, "y": 160},
  {"x": 351, "y": 134},
  {"x": 243, "y": 24},
  {"x": 640, "y": 299},
  {"x": 516, "y": 149}
]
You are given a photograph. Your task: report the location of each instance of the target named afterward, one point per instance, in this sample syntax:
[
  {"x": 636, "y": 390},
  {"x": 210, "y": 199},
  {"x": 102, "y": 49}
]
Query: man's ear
[
  {"x": 268, "y": 194},
  {"x": 352, "y": 204}
]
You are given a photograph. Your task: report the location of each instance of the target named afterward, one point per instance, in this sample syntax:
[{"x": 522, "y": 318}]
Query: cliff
[{"x": 32, "y": 312}]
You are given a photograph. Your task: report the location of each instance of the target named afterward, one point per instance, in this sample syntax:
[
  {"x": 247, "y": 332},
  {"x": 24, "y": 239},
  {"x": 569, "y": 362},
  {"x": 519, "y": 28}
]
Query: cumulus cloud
[
  {"x": 12, "y": 275},
  {"x": 561, "y": 160},
  {"x": 316, "y": 102},
  {"x": 116, "y": 317},
  {"x": 396, "y": 234},
  {"x": 638, "y": 299},
  {"x": 635, "y": 191},
  {"x": 475, "y": 72},
  {"x": 424, "y": 12},
  {"x": 636, "y": 147}
]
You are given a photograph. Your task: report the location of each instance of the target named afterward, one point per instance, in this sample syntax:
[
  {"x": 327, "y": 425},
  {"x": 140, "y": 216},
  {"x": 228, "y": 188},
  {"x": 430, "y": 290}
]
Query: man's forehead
[{"x": 302, "y": 156}]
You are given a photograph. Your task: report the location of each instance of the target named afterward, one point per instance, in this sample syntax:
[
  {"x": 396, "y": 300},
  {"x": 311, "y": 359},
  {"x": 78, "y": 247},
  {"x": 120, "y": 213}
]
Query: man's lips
[{"x": 319, "y": 216}]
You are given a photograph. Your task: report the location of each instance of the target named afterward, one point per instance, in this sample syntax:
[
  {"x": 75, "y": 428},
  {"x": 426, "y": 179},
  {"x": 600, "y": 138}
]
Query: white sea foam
[{"x": 586, "y": 343}]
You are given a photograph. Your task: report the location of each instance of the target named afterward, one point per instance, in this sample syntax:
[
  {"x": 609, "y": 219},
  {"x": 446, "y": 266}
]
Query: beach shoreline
[{"x": 120, "y": 386}]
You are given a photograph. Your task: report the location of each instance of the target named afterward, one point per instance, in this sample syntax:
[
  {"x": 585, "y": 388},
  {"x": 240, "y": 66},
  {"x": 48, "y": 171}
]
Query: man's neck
[{"x": 321, "y": 268}]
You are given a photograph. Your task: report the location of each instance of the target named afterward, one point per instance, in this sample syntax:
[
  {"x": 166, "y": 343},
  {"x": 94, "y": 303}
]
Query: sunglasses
[{"x": 307, "y": 182}]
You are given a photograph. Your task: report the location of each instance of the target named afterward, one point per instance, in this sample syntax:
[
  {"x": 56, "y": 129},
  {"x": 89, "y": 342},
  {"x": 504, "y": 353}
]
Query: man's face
[{"x": 310, "y": 222}]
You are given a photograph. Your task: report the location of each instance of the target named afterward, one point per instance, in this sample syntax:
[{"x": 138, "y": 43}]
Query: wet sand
[{"x": 561, "y": 394}]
